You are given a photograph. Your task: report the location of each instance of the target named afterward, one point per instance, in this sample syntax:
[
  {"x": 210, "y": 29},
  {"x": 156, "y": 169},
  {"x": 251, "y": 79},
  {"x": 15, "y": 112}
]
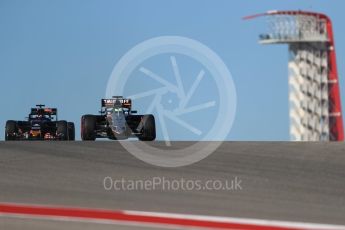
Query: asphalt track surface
[{"x": 302, "y": 182}]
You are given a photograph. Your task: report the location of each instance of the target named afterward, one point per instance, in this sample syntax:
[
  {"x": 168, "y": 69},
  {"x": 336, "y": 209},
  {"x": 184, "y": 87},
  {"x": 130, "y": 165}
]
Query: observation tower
[{"x": 314, "y": 93}]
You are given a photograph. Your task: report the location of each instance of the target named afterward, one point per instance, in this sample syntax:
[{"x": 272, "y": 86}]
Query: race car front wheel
[
  {"x": 88, "y": 126},
  {"x": 11, "y": 130},
  {"x": 71, "y": 131},
  {"x": 62, "y": 130},
  {"x": 149, "y": 128}
]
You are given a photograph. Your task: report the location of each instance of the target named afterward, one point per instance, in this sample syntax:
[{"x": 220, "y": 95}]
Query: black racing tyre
[
  {"x": 11, "y": 130},
  {"x": 71, "y": 131},
  {"x": 62, "y": 130},
  {"x": 88, "y": 126},
  {"x": 149, "y": 128}
]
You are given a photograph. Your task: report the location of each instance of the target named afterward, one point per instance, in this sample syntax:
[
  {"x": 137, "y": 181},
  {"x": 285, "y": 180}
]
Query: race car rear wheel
[
  {"x": 11, "y": 130},
  {"x": 88, "y": 126},
  {"x": 62, "y": 130},
  {"x": 149, "y": 128},
  {"x": 71, "y": 131}
]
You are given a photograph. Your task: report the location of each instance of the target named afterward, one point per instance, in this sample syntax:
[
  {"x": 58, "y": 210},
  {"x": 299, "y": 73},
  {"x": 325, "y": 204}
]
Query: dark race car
[
  {"x": 117, "y": 121},
  {"x": 41, "y": 124}
]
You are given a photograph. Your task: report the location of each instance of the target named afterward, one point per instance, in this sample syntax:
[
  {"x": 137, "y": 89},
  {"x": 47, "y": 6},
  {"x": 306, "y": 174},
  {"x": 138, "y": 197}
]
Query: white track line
[{"x": 261, "y": 222}]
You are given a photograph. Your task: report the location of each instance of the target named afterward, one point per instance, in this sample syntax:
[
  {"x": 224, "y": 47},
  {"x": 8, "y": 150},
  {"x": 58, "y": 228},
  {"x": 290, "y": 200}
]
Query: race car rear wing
[
  {"x": 44, "y": 111},
  {"x": 109, "y": 103}
]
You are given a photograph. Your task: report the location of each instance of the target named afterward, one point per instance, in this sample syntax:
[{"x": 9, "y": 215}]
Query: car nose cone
[
  {"x": 35, "y": 126},
  {"x": 118, "y": 123}
]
